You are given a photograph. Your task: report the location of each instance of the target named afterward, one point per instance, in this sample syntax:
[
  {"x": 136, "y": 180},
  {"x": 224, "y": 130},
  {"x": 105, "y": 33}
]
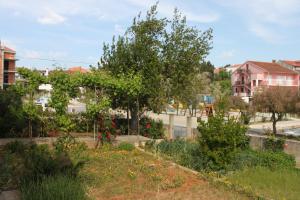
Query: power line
[{"x": 54, "y": 60}]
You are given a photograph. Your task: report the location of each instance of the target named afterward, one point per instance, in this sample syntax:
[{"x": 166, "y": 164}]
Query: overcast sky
[{"x": 49, "y": 33}]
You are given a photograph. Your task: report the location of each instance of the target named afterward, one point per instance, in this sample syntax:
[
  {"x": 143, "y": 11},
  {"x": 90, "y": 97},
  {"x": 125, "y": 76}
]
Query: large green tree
[{"x": 165, "y": 53}]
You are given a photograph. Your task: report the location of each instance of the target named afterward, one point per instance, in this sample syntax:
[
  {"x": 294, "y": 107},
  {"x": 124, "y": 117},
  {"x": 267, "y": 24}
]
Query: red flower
[
  {"x": 148, "y": 125},
  {"x": 99, "y": 135}
]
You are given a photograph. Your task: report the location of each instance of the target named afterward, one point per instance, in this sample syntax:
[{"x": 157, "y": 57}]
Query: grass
[
  {"x": 53, "y": 188},
  {"x": 118, "y": 174},
  {"x": 272, "y": 184}
]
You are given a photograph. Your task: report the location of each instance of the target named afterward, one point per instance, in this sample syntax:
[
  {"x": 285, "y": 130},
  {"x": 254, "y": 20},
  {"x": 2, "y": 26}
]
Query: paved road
[{"x": 281, "y": 125}]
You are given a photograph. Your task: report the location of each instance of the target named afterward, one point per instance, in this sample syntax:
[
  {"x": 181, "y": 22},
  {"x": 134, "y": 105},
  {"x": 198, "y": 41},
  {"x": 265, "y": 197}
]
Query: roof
[
  {"x": 295, "y": 63},
  {"x": 5, "y": 48},
  {"x": 235, "y": 65},
  {"x": 77, "y": 69},
  {"x": 218, "y": 70},
  {"x": 273, "y": 67}
]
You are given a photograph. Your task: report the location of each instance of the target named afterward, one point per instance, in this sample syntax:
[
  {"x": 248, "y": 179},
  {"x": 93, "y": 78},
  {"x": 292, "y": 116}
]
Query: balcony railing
[
  {"x": 239, "y": 82},
  {"x": 242, "y": 94}
]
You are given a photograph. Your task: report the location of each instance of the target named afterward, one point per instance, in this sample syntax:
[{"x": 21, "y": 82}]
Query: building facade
[
  {"x": 253, "y": 76},
  {"x": 7, "y": 66}
]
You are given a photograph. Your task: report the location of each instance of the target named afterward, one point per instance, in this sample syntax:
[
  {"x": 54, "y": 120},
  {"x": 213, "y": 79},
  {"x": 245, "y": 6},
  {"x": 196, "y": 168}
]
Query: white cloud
[
  {"x": 280, "y": 12},
  {"x": 51, "y": 17},
  {"x": 50, "y": 12},
  {"x": 266, "y": 18},
  {"x": 206, "y": 18},
  {"x": 227, "y": 54},
  {"x": 266, "y": 33},
  {"x": 192, "y": 14}
]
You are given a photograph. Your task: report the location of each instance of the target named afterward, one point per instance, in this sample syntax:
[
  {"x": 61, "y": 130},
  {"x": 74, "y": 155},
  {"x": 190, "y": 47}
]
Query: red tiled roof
[
  {"x": 273, "y": 67},
  {"x": 77, "y": 69},
  {"x": 295, "y": 63},
  {"x": 7, "y": 49},
  {"x": 218, "y": 70},
  {"x": 236, "y": 65}
]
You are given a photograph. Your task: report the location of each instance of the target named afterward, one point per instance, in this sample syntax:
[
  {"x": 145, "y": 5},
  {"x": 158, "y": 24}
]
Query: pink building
[{"x": 252, "y": 76}]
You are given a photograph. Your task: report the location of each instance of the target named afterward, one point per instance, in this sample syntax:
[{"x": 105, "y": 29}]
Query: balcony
[{"x": 242, "y": 94}]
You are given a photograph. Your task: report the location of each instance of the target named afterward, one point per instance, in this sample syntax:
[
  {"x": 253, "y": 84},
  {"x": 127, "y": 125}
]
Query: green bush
[
  {"x": 53, "y": 188},
  {"x": 269, "y": 159},
  {"x": 15, "y": 147},
  {"x": 183, "y": 152},
  {"x": 273, "y": 144},
  {"x": 126, "y": 146},
  {"x": 151, "y": 128},
  {"x": 38, "y": 162},
  {"x": 220, "y": 140}
]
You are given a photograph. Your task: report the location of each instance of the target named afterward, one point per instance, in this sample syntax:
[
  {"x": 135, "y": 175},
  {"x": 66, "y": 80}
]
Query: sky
[{"x": 65, "y": 33}]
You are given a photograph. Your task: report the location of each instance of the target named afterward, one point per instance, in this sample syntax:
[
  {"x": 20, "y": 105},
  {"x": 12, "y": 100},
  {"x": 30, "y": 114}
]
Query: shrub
[
  {"x": 52, "y": 188},
  {"x": 126, "y": 146},
  {"x": 39, "y": 162},
  {"x": 151, "y": 128},
  {"x": 64, "y": 143},
  {"x": 183, "y": 152},
  {"x": 269, "y": 159},
  {"x": 273, "y": 144},
  {"x": 15, "y": 147},
  {"x": 220, "y": 140},
  {"x": 11, "y": 168},
  {"x": 67, "y": 147}
]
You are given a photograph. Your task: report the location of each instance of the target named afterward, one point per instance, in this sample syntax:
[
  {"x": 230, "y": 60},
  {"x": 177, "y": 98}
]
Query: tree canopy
[
  {"x": 276, "y": 100},
  {"x": 166, "y": 54}
]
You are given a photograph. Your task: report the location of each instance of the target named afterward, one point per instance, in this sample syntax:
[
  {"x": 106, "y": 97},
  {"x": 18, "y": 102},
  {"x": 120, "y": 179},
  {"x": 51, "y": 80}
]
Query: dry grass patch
[{"x": 115, "y": 174}]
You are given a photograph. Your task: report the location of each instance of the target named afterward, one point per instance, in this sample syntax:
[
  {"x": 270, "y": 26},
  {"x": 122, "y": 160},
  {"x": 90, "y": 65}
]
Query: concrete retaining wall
[
  {"x": 292, "y": 147},
  {"x": 45, "y": 140}
]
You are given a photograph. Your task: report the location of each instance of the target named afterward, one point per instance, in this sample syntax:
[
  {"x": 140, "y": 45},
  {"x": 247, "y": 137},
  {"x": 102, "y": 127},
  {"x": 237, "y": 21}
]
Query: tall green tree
[
  {"x": 165, "y": 54},
  {"x": 64, "y": 87}
]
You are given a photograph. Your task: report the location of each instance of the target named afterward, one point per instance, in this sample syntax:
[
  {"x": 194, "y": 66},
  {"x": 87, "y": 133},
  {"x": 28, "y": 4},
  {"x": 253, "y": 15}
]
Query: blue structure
[{"x": 208, "y": 99}]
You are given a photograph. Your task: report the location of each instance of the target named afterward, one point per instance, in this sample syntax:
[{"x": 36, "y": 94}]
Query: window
[
  {"x": 269, "y": 78},
  {"x": 6, "y": 65},
  {"x": 242, "y": 90},
  {"x": 281, "y": 80},
  {"x": 5, "y": 77}
]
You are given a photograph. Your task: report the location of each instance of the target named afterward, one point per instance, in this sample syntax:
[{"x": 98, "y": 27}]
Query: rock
[{"x": 10, "y": 195}]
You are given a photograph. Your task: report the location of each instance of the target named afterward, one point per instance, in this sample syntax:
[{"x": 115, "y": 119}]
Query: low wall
[
  {"x": 292, "y": 147},
  {"x": 45, "y": 140}
]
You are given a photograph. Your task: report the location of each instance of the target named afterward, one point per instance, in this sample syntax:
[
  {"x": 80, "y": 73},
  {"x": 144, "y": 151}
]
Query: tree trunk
[
  {"x": 94, "y": 129},
  {"x": 134, "y": 119},
  {"x": 274, "y": 127},
  {"x": 30, "y": 128},
  {"x": 274, "y": 120},
  {"x": 128, "y": 121}
]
